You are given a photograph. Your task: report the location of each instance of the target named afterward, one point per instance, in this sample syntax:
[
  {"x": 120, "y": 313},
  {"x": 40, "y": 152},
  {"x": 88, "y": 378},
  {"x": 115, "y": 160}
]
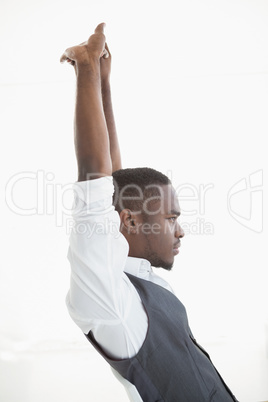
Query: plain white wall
[{"x": 190, "y": 90}]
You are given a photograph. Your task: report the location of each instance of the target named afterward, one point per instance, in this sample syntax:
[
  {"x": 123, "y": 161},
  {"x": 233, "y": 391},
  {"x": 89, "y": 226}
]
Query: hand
[
  {"x": 92, "y": 49},
  {"x": 105, "y": 65}
]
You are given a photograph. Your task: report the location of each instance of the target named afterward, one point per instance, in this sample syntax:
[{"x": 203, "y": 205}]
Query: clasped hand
[{"x": 93, "y": 49}]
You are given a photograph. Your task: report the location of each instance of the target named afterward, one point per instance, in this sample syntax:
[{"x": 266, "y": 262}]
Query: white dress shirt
[{"x": 101, "y": 298}]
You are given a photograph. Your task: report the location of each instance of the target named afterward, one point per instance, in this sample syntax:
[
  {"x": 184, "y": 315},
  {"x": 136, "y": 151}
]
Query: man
[{"x": 126, "y": 311}]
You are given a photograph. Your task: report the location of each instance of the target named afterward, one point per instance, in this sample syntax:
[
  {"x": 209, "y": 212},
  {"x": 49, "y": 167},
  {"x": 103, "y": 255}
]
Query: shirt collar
[
  {"x": 138, "y": 267},
  {"x": 141, "y": 268}
]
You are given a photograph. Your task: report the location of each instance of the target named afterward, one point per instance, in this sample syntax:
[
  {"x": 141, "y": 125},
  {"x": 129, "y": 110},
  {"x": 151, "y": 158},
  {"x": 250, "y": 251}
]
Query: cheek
[
  {"x": 161, "y": 236},
  {"x": 169, "y": 236},
  {"x": 166, "y": 238}
]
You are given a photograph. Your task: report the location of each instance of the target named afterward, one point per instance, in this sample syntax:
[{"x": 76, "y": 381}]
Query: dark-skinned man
[{"x": 125, "y": 223}]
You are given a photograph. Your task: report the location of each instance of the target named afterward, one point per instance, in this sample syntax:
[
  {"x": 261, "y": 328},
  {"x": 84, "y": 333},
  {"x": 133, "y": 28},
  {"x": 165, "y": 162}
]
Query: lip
[{"x": 176, "y": 248}]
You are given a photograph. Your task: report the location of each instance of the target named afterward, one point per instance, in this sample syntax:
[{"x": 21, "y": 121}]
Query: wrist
[
  {"x": 105, "y": 82},
  {"x": 105, "y": 87},
  {"x": 88, "y": 74},
  {"x": 88, "y": 65}
]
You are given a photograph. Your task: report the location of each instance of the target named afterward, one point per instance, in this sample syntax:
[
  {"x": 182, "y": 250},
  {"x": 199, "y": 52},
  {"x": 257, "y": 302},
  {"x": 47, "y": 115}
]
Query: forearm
[
  {"x": 110, "y": 122},
  {"x": 91, "y": 135}
]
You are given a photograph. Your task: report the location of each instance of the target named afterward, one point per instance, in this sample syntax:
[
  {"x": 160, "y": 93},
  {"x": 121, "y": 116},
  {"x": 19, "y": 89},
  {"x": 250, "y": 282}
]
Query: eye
[{"x": 172, "y": 219}]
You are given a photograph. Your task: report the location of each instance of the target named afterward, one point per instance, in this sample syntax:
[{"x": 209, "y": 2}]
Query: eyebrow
[{"x": 174, "y": 212}]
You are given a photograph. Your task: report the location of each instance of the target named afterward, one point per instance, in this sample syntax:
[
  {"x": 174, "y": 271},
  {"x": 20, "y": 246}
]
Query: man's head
[{"x": 148, "y": 208}]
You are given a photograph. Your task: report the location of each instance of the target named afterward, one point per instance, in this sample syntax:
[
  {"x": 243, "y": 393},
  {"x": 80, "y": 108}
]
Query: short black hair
[{"x": 131, "y": 183}]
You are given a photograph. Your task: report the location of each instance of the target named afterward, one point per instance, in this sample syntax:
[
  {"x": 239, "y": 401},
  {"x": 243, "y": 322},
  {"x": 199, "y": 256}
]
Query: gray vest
[{"x": 170, "y": 366}]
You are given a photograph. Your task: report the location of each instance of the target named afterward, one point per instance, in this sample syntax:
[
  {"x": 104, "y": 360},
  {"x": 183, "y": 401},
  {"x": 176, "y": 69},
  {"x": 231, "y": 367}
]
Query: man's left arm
[{"x": 105, "y": 69}]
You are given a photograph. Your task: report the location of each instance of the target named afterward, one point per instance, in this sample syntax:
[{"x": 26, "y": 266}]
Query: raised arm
[
  {"x": 91, "y": 135},
  {"x": 105, "y": 68}
]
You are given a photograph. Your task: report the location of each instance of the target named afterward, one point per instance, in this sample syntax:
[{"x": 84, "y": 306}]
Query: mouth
[{"x": 176, "y": 248}]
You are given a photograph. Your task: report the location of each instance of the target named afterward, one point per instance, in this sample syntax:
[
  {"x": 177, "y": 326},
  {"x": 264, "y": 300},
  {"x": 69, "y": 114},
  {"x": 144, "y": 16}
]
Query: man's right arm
[
  {"x": 91, "y": 136},
  {"x": 101, "y": 298}
]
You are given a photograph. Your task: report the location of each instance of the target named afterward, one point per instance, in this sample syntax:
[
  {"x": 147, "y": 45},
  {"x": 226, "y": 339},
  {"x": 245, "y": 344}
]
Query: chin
[
  {"x": 168, "y": 267},
  {"x": 163, "y": 264},
  {"x": 158, "y": 262}
]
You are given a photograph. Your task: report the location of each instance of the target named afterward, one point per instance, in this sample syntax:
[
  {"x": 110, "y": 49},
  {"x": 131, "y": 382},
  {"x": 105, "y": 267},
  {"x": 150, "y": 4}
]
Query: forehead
[{"x": 169, "y": 199}]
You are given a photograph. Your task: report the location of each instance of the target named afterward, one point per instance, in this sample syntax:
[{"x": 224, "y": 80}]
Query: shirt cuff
[
  {"x": 94, "y": 195},
  {"x": 91, "y": 191}
]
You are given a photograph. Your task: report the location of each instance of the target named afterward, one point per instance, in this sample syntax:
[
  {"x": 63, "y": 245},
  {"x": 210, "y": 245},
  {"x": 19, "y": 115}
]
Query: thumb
[{"x": 100, "y": 28}]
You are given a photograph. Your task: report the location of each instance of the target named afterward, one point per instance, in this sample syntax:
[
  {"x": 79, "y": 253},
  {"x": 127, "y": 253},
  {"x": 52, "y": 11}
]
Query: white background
[{"x": 190, "y": 92}]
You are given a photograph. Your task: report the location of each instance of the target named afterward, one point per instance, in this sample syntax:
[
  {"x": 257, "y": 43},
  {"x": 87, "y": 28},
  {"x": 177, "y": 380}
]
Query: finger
[
  {"x": 66, "y": 57},
  {"x": 105, "y": 54},
  {"x": 63, "y": 58},
  {"x": 100, "y": 28},
  {"x": 108, "y": 50},
  {"x": 70, "y": 61}
]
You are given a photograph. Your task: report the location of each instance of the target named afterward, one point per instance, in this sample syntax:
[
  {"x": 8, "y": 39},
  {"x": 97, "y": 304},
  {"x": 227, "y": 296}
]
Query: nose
[{"x": 179, "y": 233}]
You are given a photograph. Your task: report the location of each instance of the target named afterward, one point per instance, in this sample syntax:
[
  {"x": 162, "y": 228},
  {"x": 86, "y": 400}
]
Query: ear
[{"x": 128, "y": 221}]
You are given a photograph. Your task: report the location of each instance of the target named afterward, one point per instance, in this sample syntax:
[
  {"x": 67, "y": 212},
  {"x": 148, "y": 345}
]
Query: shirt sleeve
[{"x": 97, "y": 254}]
